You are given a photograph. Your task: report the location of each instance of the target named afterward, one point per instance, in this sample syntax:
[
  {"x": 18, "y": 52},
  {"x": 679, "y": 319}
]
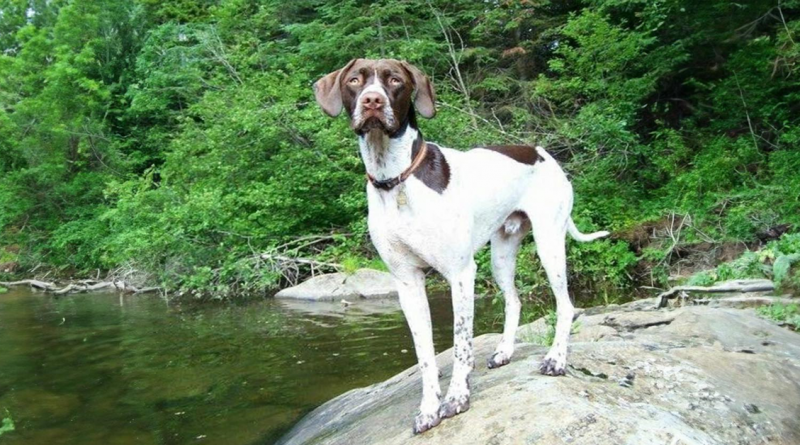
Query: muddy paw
[
  {"x": 453, "y": 407},
  {"x": 552, "y": 367},
  {"x": 497, "y": 360},
  {"x": 424, "y": 422}
]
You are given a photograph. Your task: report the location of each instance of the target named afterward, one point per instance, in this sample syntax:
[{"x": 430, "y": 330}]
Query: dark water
[{"x": 100, "y": 369}]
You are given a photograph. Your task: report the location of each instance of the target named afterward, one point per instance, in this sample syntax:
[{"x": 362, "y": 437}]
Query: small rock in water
[{"x": 404, "y": 351}]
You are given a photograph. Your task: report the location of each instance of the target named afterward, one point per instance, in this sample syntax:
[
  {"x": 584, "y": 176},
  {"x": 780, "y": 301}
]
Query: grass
[
  {"x": 3, "y": 290},
  {"x": 788, "y": 315},
  {"x": 546, "y": 338}
]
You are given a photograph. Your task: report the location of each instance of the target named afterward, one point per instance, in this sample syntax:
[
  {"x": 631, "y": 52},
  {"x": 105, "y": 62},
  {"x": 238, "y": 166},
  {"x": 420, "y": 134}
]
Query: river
[{"x": 111, "y": 370}]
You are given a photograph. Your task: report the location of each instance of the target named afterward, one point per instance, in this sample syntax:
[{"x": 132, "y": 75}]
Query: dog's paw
[
  {"x": 424, "y": 422},
  {"x": 453, "y": 406},
  {"x": 551, "y": 366},
  {"x": 497, "y": 360}
]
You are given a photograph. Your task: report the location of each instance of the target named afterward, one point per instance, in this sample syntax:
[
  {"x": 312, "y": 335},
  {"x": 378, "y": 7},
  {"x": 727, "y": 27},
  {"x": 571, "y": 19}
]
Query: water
[{"x": 104, "y": 369}]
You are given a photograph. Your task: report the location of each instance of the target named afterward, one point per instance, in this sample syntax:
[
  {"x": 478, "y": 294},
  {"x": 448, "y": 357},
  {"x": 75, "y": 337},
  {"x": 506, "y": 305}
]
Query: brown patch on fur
[
  {"x": 434, "y": 171},
  {"x": 524, "y": 154}
]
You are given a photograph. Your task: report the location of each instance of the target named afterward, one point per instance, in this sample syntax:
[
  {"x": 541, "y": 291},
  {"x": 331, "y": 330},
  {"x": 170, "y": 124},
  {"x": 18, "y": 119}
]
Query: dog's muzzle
[{"x": 373, "y": 112}]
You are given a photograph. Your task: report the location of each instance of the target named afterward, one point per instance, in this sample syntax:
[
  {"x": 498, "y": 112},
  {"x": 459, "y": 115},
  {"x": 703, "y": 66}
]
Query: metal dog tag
[{"x": 402, "y": 199}]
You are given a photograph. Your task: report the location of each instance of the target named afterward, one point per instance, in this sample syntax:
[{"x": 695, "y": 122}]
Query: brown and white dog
[{"x": 431, "y": 206}]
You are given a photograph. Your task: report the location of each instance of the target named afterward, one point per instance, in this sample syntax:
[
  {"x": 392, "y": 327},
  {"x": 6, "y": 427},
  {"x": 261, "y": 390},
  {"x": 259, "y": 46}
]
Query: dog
[{"x": 431, "y": 206}]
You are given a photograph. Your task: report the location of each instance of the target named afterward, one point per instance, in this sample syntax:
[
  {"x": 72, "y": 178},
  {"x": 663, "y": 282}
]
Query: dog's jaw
[{"x": 386, "y": 157}]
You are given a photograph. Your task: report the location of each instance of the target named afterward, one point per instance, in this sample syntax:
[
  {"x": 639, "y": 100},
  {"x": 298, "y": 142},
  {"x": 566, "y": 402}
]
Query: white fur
[
  {"x": 383, "y": 157},
  {"x": 445, "y": 230}
]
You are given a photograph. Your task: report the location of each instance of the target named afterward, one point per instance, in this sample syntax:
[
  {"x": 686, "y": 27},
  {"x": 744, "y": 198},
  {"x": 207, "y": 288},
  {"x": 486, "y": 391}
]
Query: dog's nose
[{"x": 372, "y": 101}]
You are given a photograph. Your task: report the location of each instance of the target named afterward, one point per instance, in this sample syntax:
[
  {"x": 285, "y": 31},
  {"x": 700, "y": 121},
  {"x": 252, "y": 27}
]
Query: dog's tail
[{"x": 584, "y": 237}]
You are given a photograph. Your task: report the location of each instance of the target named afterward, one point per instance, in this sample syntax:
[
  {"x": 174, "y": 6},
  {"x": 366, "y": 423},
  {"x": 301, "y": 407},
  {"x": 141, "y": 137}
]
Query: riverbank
[{"x": 773, "y": 260}]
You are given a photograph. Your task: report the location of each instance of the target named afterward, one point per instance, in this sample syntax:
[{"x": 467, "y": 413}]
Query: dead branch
[
  {"x": 455, "y": 60},
  {"x": 306, "y": 261},
  {"x": 81, "y": 286},
  {"x": 32, "y": 283},
  {"x": 494, "y": 127},
  {"x": 725, "y": 287}
]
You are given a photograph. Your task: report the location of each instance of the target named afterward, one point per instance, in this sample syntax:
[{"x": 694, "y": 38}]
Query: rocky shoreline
[{"x": 637, "y": 375}]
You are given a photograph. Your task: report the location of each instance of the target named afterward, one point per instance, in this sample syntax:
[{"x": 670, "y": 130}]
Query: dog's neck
[{"x": 388, "y": 157}]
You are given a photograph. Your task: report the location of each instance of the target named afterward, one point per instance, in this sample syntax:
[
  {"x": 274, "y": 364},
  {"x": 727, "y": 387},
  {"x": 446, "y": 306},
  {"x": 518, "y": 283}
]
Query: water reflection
[{"x": 89, "y": 369}]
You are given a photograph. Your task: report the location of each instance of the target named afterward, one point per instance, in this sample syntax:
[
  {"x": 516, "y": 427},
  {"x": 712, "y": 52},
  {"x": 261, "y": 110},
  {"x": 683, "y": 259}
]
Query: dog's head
[{"x": 377, "y": 94}]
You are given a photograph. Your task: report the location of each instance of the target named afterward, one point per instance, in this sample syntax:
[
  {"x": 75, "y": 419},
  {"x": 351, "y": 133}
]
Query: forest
[{"x": 180, "y": 142}]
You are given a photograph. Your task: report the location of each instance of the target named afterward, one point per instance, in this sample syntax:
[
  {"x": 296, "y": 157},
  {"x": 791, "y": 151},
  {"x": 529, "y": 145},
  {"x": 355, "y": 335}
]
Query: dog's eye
[
  {"x": 395, "y": 81},
  {"x": 354, "y": 81}
]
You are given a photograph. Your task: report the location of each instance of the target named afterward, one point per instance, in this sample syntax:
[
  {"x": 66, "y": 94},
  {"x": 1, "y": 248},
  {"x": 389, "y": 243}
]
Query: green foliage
[
  {"x": 781, "y": 267},
  {"x": 7, "y": 424},
  {"x": 773, "y": 261},
  {"x": 547, "y": 337},
  {"x": 182, "y": 139},
  {"x": 3, "y": 290},
  {"x": 550, "y": 333},
  {"x": 788, "y": 315}
]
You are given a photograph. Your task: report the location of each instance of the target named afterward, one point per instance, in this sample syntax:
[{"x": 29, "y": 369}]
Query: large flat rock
[
  {"x": 689, "y": 376},
  {"x": 364, "y": 283}
]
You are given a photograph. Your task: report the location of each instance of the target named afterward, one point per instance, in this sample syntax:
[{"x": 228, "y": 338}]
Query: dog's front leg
[
  {"x": 462, "y": 284},
  {"x": 411, "y": 287}
]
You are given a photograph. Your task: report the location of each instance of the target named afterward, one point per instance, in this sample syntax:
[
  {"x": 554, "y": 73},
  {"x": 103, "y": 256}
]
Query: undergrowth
[
  {"x": 773, "y": 261},
  {"x": 788, "y": 315}
]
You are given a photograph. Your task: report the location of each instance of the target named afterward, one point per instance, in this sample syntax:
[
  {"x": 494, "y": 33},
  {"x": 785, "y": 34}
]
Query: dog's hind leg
[
  {"x": 411, "y": 287},
  {"x": 462, "y": 283},
  {"x": 550, "y": 237},
  {"x": 505, "y": 245}
]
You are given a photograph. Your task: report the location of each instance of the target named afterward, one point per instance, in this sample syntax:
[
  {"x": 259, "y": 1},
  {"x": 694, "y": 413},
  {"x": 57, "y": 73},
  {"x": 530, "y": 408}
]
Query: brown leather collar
[{"x": 388, "y": 184}]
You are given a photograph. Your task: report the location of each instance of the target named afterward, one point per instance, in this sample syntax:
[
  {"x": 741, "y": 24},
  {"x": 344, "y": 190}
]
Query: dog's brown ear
[
  {"x": 425, "y": 100},
  {"x": 328, "y": 91}
]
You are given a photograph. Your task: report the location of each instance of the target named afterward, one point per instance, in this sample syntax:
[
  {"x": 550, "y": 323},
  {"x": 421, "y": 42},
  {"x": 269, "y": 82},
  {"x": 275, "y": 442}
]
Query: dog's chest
[{"x": 414, "y": 220}]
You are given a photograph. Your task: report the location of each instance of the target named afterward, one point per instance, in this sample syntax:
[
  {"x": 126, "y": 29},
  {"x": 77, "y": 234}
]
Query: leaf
[
  {"x": 782, "y": 265},
  {"x": 7, "y": 425}
]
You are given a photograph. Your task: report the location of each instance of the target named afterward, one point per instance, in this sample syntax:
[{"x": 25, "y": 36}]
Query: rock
[
  {"x": 740, "y": 286},
  {"x": 9, "y": 267},
  {"x": 364, "y": 283},
  {"x": 634, "y": 377},
  {"x": 746, "y": 301},
  {"x": 359, "y": 308},
  {"x": 631, "y": 321}
]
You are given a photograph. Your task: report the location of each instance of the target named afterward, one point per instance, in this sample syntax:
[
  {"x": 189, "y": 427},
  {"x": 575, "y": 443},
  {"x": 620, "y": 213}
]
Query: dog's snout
[{"x": 372, "y": 101}]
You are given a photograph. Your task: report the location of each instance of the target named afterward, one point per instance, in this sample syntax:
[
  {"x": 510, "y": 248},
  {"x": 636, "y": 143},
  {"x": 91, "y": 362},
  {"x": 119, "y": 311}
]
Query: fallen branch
[
  {"x": 82, "y": 286},
  {"x": 310, "y": 262},
  {"x": 32, "y": 283},
  {"x": 727, "y": 286}
]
